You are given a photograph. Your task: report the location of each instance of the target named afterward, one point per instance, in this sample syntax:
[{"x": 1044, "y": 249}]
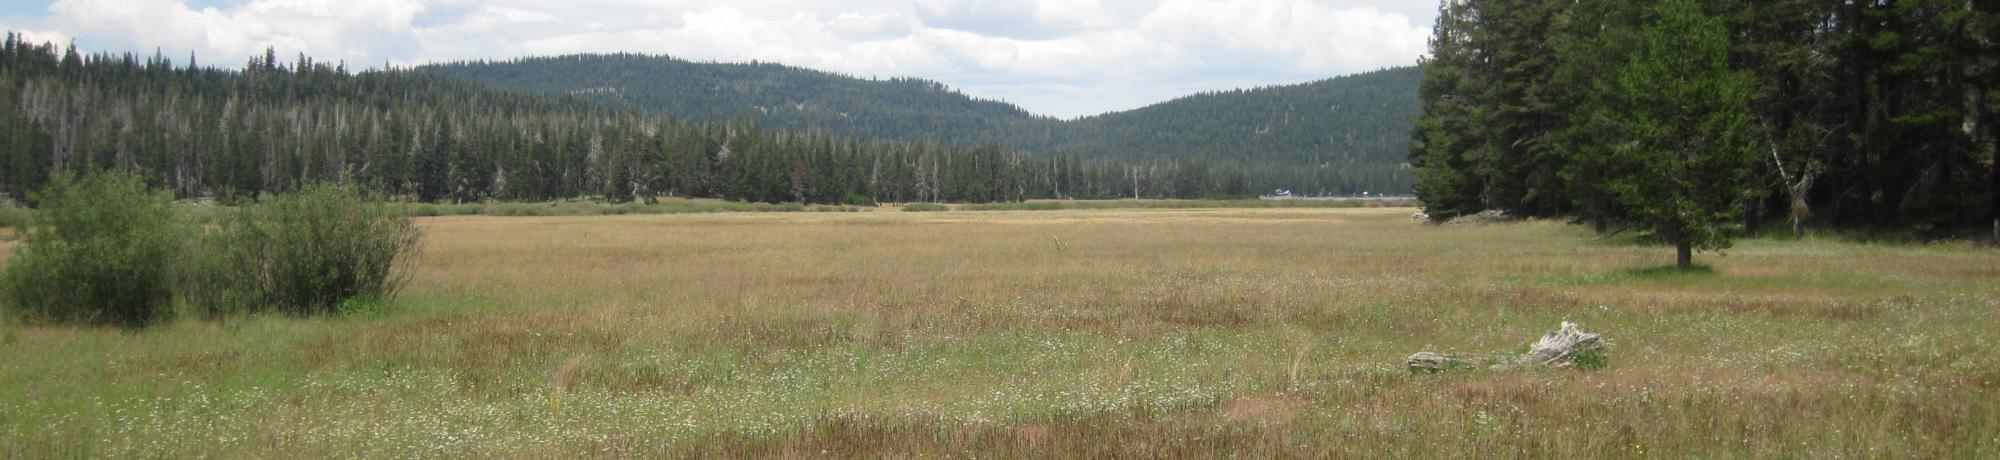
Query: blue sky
[{"x": 1057, "y": 57}]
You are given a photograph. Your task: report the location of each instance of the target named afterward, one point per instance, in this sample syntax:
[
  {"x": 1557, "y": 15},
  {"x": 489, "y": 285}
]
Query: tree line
[
  {"x": 1357, "y": 124},
  {"x": 276, "y": 126},
  {"x": 1693, "y": 119}
]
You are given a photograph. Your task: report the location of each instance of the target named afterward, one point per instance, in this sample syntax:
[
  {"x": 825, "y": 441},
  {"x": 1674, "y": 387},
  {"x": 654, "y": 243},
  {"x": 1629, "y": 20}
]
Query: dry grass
[{"x": 1124, "y": 333}]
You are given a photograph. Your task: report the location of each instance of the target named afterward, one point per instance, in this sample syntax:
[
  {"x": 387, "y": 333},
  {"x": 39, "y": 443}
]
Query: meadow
[{"x": 1086, "y": 333}]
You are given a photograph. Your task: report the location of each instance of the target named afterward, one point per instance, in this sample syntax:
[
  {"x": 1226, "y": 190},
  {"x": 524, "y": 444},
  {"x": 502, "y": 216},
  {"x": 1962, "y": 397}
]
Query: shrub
[
  {"x": 856, "y": 199},
  {"x": 1590, "y": 359},
  {"x": 14, "y": 217},
  {"x": 924, "y": 207},
  {"x": 101, "y": 250},
  {"x": 313, "y": 252}
]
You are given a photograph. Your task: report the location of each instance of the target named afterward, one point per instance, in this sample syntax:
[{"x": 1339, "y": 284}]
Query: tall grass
[
  {"x": 1143, "y": 333},
  {"x": 596, "y": 208},
  {"x": 1058, "y": 205}
]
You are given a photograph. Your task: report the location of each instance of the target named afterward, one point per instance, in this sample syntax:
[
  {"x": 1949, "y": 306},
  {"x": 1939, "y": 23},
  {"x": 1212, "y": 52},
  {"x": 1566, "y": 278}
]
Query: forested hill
[
  {"x": 776, "y": 95},
  {"x": 1359, "y": 119},
  {"x": 273, "y": 126},
  {"x": 1364, "y": 118}
]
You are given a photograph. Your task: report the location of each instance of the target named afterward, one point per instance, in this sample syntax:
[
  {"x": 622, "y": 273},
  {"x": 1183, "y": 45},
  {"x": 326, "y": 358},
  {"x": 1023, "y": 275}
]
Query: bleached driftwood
[{"x": 1555, "y": 349}]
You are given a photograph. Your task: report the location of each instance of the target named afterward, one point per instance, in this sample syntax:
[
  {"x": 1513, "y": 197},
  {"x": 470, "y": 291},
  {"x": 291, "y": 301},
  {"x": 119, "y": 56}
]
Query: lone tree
[{"x": 1680, "y": 121}]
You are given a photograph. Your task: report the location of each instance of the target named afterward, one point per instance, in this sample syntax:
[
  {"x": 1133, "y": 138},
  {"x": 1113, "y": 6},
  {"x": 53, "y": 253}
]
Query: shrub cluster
[
  {"x": 924, "y": 207},
  {"x": 101, "y": 250},
  {"x": 309, "y": 252},
  {"x": 106, "y": 250}
]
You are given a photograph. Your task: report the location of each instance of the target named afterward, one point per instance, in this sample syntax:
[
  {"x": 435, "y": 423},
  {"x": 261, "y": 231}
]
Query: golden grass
[{"x": 1129, "y": 333}]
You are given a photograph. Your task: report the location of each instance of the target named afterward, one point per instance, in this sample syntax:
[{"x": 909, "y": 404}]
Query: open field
[{"x": 1144, "y": 333}]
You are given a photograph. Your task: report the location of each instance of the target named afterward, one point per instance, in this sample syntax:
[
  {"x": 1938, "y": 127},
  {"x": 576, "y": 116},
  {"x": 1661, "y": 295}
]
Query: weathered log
[
  {"x": 1555, "y": 349},
  {"x": 1559, "y": 348},
  {"x": 1425, "y": 361}
]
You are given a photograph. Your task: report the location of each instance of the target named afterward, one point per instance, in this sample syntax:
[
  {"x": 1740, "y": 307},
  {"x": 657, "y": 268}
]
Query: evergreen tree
[{"x": 1683, "y": 114}]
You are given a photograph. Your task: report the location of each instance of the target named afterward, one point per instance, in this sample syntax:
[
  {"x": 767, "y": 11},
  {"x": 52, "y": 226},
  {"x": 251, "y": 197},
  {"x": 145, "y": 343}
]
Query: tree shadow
[{"x": 1670, "y": 271}]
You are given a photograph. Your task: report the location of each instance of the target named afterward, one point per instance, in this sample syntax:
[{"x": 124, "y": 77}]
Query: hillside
[
  {"x": 1363, "y": 118},
  {"x": 228, "y": 135},
  {"x": 776, "y": 95}
]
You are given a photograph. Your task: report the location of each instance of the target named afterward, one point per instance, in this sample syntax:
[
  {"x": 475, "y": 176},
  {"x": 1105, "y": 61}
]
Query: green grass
[
  {"x": 14, "y": 217},
  {"x": 598, "y": 208},
  {"x": 1057, "y": 205},
  {"x": 1142, "y": 333}
]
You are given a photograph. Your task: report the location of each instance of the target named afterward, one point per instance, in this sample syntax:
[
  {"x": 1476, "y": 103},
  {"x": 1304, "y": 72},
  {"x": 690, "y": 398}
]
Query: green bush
[
  {"x": 322, "y": 250},
  {"x": 856, "y": 199},
  {"x": 1590, "y": 359},
  {"x": 924, "y": 207},
  {"x": 8, "y": 332},
  {"x": 14, "y": 217},
  {"x": 100, "y": 250}
]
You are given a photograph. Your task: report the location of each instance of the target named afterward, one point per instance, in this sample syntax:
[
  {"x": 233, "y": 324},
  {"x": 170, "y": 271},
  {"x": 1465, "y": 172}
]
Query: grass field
[{"x": 1089, "y": 333}]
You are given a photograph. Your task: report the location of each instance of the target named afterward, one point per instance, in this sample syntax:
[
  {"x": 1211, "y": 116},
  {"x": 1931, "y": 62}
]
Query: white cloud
[
  {"x": 494, "y": 17},
  {"x": 1029, "y": 19},
  {"x": 1307, "y": 36},
  {"x": 326, "y": 29},
  {"x": 1060, "y": 57},
  {"x": 855, "y": 26}
]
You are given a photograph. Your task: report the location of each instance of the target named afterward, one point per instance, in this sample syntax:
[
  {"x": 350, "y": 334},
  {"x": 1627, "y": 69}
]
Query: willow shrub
[
  {"x": 100, "y": 250},
  {"x": 321, "y": 250}
]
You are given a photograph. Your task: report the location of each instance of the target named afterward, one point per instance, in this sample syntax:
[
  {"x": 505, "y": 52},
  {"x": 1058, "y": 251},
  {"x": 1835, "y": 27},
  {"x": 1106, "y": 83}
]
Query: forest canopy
[{"x": 1875, "y": 116}]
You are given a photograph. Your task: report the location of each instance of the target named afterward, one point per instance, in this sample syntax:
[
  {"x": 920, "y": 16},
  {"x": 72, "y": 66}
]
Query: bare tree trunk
[
  {"x": 1801, "y": 210},
  {"x": 1753, "y": 218},
  {"x": 1753, "y": 210},
  {"x": 1683, "y": 254}
]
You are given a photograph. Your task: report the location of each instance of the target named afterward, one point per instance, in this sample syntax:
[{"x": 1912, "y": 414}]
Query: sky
[{"x": 1063, "y": 58}]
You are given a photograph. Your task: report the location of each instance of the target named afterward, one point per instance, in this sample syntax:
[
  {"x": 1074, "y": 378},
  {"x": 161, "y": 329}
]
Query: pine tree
[
  {"x": 1447, "y": 134},
  {"x": 1684, "y": 115}
]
